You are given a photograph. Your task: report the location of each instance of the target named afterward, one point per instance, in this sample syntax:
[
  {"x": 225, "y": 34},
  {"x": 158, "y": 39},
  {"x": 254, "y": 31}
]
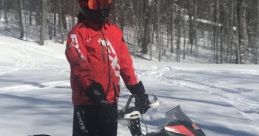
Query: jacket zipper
[
  {"x": 108, "y": 61},
  {"x": 115, "y": 92},
  {"x": 103, "y": 54}
]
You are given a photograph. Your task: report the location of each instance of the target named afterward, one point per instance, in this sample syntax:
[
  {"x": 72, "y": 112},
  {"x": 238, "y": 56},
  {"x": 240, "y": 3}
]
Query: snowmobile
[{"x": 178, "y": 124}]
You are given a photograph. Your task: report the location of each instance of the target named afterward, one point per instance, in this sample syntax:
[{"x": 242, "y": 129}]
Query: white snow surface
[{"x": 36, "y": 96}]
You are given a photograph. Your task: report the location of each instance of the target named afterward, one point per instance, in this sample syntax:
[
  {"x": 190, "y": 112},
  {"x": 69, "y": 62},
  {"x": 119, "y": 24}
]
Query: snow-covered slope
[{"x": 35, "y": 92}]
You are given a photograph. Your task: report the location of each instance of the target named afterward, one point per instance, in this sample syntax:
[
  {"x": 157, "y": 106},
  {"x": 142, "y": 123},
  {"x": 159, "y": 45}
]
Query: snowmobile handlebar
[{"x": 133, "y": 112}]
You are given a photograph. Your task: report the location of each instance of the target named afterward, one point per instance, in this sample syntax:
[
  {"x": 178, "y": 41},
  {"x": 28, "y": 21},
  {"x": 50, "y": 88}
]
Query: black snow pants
[{"x": 87, "y": 122}]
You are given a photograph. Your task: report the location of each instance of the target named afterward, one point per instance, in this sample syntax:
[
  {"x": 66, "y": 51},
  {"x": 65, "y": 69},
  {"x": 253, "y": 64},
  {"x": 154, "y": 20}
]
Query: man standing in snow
[{"x": 98, "y": 56}]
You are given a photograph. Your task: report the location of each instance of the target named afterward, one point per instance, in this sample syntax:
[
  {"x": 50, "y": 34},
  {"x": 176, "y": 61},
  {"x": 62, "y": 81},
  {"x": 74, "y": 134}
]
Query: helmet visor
[{"x": 99, "y": 4}]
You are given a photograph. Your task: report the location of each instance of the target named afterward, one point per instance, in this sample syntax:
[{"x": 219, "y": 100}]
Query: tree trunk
[
  {"x": 32, "y": 9},
  {"x": 30, "y": 17},
  {"x": 5, "y": 12},
  {"x": 216, "y": 31},
  {"x": 150, "y": 45},
  {"x": 43, "y": 22},
  {"x": 20, "y": 16},
  {"x": 55, "y": 24},
  {"x": 50, "y": 27},
  {"x": 257, "y": 35},
  {"x": 60, "y": 22},
  {"x": 195, "y": 28},
  {"x": 228, "y": 29},
  {"x": 184, "y": 44},
  {"x": 38, "y": 5},
  {"x": 172, "y": 27},
  {"x": 232, "y": 33},
  {"x": 242, "y": 32},
  {"x": 192, "y": 5},
  {"x": 158, "y": 31},
  {"x": 147, "y": 27},
  {"x": 223, "y": 32},
  {"x": 178, "y": 43},
  {"x": 64, "y": 20},
  {"x": 74, "y": 12},
  {"x": 1, "y": 7},
  {"x": 122, "y": 15}
]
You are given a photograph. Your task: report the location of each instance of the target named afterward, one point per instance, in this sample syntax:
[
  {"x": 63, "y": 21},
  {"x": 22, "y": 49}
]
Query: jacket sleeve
[
  {"x": 77, "y": 57},
  {"x": 127, "y": 71}
]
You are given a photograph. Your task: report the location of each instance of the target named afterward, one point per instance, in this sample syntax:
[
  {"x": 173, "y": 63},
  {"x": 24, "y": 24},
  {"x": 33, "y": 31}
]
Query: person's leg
[
  {"x": 108, "y": 126},
  {"x": 89, "y": 121},
  {"x": 85, "y": 121}
]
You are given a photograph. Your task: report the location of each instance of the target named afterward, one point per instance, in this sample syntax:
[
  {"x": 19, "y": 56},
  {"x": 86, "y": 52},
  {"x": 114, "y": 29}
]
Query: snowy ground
[{"x": 35, "y": 92}]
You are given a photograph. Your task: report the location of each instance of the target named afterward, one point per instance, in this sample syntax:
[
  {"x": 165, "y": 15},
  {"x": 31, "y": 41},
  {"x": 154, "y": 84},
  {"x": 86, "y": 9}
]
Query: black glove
[
  {"x": 96, "y": 93},
  {"x": 142, "y": 101},
  {"x": 108, "y": 112}
]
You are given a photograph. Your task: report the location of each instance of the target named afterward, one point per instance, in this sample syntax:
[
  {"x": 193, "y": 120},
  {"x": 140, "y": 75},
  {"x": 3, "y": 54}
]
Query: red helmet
[{"x": 95, "y": 4}]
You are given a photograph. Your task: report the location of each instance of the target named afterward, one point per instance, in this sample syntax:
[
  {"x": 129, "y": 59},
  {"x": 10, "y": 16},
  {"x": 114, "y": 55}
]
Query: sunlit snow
[{"x": 36, "y": 96}]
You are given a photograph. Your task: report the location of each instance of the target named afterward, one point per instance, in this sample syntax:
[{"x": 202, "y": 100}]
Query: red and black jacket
[{"x": 98, "y": 56}]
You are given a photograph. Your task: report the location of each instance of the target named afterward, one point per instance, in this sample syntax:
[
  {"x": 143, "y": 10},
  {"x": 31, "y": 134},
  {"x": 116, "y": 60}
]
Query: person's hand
[
  {"x": 95, "y": 92},
  {"x": 142, "y": 102}
]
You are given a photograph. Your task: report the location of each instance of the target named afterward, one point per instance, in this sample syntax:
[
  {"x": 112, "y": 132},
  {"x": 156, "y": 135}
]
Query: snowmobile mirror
[{"x": 154, "y": 103}]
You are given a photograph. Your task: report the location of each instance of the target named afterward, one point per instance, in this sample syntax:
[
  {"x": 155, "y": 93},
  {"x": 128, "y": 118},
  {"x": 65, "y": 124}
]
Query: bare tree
[
  {"x": 192, "y": 7},
  {"x": 158, "y": 32},
  {"x": 74, "y": 12},
  {"x": 61, "y": 28},
  {"x": 257, "y": 35},
  {"x": 185, "y": 37},
  {"x": 5, "y": 2},
  {"x": 43, "y": 22},
  {"x": 216, "y": 30},
  {"x": 171, "y": 24},
  {"x": 146, "y": 26},
  {"x": 20, "y": 16},
  {"x": 178, "y": 43},
  {"x": 229, "y": 27},
  {"x": 242, "y": 54},
  {"x": 1, "y": 7}
]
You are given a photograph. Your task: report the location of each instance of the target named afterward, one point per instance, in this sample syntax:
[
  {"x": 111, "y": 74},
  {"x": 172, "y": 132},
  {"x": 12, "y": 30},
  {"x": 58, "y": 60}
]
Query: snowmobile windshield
[
  {"x": 177, "y": 114},
  {"x": 180, "y": 123}
]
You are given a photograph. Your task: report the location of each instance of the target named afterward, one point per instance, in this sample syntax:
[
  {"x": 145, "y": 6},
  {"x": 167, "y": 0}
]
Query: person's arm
[
  {"x": 130, "y": 78},
  {"x": 127, "y": 70},
  {"x": 77, "y": 58}
]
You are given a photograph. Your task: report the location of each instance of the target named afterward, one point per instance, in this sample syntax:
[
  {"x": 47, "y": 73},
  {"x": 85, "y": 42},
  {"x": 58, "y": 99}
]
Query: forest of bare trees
[{"x": 158, "y": 28}]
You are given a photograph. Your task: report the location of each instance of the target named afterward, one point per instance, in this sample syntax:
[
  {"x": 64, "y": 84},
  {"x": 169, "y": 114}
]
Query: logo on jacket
[
  {"x": 74, "y": 43},
  {"x": 112, "y": 56}
]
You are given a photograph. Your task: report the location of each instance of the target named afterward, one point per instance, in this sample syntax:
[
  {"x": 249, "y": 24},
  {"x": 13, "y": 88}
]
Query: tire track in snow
[
  {"x": 19, "y": 63},
  {"x": 28, "y": 87},
  {"x": 170, "y": 75},
  {"x": 29, "y": 56}
]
